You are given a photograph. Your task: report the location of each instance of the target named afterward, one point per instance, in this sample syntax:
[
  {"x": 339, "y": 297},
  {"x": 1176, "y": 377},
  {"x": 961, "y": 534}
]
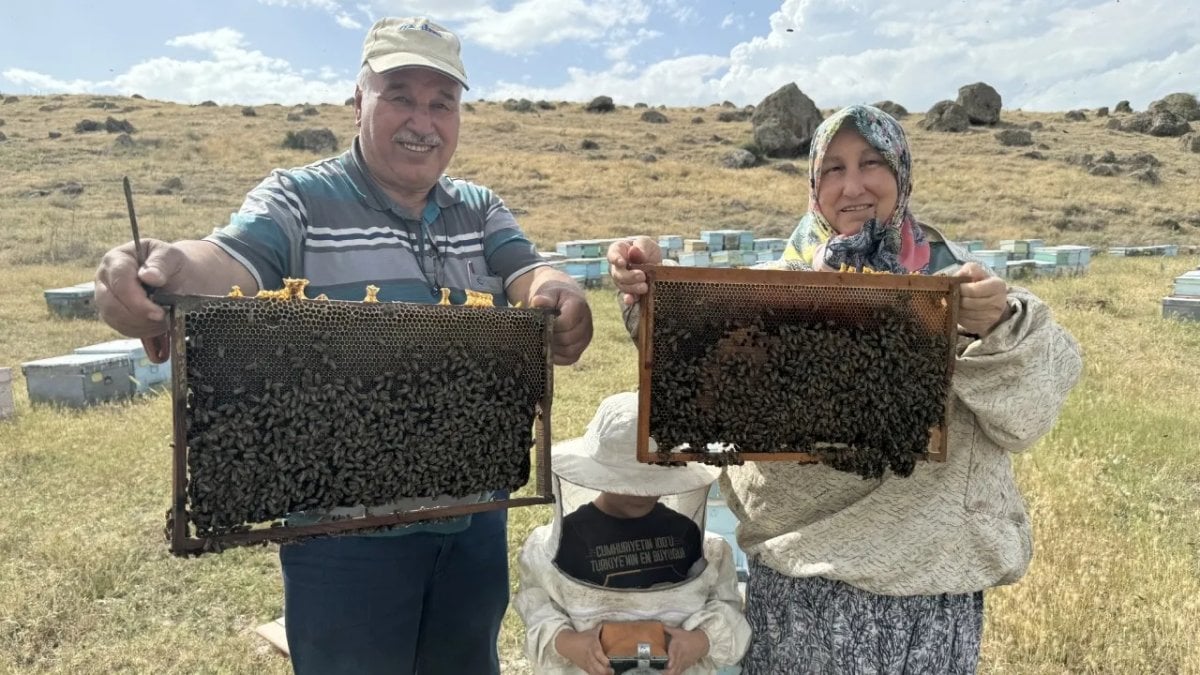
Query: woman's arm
[{"x": 1017, "y": 377}]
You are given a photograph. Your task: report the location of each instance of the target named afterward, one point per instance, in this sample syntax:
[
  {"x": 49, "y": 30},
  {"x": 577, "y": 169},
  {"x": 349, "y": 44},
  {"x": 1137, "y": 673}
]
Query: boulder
[
  {"x": 1190, "y": 142},
  {"x": 791, "y": 111},
  {"x": 589, "y": 144},
  {"x": 1076, "y": 116},
  {"x": 55, "y": 134},
  {"x": 315, "y": 140},
  {"x": 1157, "y": 123},
  {"x": 894, "y": 109},
  {"x": 84, "y": 126},
  {"x": 1184, "y": 105},
  {"x": 946, "y": 116},
  {"x": 697, "y": 120},
  {"x": 733, "y": 116},
  {"x": 1105, "y": 170},
  {"x": 981, "y": 103},
  {"x": 249, "y": 112},
  {"x": 546, "y": 105},
  {"x": 1147, "y": 175},
  {"x": 115, "y": 126},
  {"x": 1123, "y": 107},
  {"x": 775, "y": 141},
  {"x": 310, "y": 111},
  {"x": 654, "y": 117},
  {"x": 600, "y": 104},
  {"x": 739, "y": 159},
  {"x": 123, "y": 141},
  {"x": 1014, "y": 137},
  {"x": 523, "y": 105},
  {"x": 1102, "y": 111},
  {"x": 208, "y": 104},
  {"x": 640, "y": 105}
]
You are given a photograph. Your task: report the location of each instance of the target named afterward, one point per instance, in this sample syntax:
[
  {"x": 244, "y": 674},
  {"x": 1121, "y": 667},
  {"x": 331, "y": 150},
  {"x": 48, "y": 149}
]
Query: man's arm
[{"x": 546, "y": 287}]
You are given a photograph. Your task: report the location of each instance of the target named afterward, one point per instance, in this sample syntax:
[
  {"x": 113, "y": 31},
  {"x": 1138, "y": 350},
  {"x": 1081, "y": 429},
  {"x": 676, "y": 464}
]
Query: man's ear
[{"x": 358, "y": 95}]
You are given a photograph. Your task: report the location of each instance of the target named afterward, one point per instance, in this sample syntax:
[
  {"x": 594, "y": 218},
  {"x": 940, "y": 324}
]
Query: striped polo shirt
[{"x": 331, "y": 223}]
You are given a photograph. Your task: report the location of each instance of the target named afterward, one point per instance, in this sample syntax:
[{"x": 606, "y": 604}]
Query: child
[{"x": 627, "y": 544}]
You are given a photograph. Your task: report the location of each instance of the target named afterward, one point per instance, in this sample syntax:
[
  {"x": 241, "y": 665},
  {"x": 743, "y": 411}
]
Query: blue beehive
[
  {"x": 770, "y": 244},
  {"x": 1187, "y": 309},
  {"x": 145, "y": 374},
  {"x": 570, "y": 249},
  {"x": 997, "y": 261},
  {"x": 697, "y": 259},
  {"x": 1187, "y": 285},
  {"x": 769, "y": 256},
  {"x": 972, "y": 245},
  {"x": 7, "y": 406},
  {"x": 728, "y": 240},
  {"x": 720, "y": 520},
  {"x": 72, "y": 302},
  {"x": 79, "y": 380},
  {"x": 670, "y": 241}
]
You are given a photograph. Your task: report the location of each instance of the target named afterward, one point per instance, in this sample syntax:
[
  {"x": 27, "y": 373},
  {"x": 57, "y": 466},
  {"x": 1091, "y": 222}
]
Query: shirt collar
[{"x": 445, "y": 192}]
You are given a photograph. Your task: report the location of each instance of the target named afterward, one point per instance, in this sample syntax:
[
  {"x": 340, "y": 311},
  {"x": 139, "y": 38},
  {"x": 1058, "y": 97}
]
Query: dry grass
[{"x": 86, "y": 584}]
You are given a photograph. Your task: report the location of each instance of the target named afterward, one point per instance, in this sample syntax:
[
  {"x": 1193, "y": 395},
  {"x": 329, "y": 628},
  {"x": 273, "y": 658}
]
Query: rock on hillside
[
  {"x": 946, "y": 116},
  {"x": 1182, "y": 104},
  {"x": 981, "y": 103},
  {"x": 600, "y": 104},
  {"x": 1157, "y": 123},
  {"x": 316, "y": 140},
  {"x": 894, "y": 109},
  {"x": 795, "y": 117}
]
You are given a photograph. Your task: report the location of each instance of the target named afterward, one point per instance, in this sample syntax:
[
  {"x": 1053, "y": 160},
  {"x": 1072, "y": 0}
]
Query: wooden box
[
  {"x": 146, "y": 375},
  {"x": 79, "y": 380},
  {"x": 1187, "y": 285},
  {"x": 7, "y": 406},
  {"x": 72, "y": 302},
  {"x": 694, "y": 245},
  {"x": 1186, "y": 309}
]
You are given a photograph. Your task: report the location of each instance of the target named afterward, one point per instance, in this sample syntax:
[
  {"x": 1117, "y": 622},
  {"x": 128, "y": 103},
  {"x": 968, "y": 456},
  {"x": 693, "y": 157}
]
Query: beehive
[
  {"x": 79, "y": 380},
  {"x": 1186, "y": 309},
  {"x": 72, "y": 302},
  {"x": 7, "y": 406},
  {"x": 284, "y": 407},
  {"x": 145, "y": 375},
  {"x": 715, "y": 348},
  {"x": 1187, "y": 285}
]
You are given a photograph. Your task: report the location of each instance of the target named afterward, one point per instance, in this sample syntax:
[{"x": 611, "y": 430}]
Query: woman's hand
[
  {"x": 983, "y": 301},
  {"x": 685, "y": 649},
  {"x": 583, "y": 649},
  {"x": 621, "y": 254}
]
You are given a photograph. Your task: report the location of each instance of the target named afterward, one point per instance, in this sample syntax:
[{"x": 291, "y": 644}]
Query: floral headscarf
[{"x": 895, "y": 245}]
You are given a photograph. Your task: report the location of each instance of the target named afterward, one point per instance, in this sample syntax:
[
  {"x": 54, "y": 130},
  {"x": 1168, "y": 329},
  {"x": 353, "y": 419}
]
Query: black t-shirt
[{"x": 660, "y": 547}]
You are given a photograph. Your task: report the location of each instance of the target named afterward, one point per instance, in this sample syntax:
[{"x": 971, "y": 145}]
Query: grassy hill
[{"x": 86, "y": 583}]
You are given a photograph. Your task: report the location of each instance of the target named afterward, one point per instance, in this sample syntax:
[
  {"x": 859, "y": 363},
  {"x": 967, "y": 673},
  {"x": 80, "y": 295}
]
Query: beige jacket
[{"x": 549, "y": 601}]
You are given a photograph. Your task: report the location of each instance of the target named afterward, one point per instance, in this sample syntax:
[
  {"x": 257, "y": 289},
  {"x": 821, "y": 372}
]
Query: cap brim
[
  {"x": 572, "y": 460},
  {"x": 382, "y": 64}
]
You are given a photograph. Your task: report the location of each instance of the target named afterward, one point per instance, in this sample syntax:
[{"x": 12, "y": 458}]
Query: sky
[{"x": 1044, "y": 55}]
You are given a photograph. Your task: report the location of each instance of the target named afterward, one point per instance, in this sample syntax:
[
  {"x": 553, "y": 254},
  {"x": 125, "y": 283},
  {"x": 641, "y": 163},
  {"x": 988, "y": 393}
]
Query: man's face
[{"x": 408, "y": 122}]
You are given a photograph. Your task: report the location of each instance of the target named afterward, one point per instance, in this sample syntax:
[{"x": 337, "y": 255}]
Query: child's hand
[
  {"x": 584, "y": 650},
  {"x": 685, "y": 649}
]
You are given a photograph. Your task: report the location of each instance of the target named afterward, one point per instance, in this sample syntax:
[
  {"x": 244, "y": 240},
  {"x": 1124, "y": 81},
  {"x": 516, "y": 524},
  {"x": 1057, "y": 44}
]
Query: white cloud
[
  {"x": 530, "y": 24},
  {"x": 1039, "y": 54},
  {"x": 340, "y": 16},
  {"x": 229, "y": 72},
  {"x": 680, "y": 79}
]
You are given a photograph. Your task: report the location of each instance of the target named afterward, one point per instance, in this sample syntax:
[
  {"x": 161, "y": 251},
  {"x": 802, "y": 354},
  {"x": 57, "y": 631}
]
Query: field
[{"x": 86, "y": 583}]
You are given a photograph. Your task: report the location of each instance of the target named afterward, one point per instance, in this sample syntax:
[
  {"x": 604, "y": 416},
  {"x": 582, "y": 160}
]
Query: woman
[{"x": 887, "y": 575}]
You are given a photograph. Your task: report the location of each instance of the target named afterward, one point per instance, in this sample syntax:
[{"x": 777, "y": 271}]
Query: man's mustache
[{"x": 417, "y": 139}]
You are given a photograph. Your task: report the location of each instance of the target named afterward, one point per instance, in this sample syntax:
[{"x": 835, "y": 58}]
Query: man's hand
[
  {"x": 121, "y": 292},
  {"x": 621, "y": 254},
  {"x": 685, "y": 649},
  {"x": 983, "y": 301},
  {"x": 573, "y": 327},
  {"x": 583, "y": 650}
]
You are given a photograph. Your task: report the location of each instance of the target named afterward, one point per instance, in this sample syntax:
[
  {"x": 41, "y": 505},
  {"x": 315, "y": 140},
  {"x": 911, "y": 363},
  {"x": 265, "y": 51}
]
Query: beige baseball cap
[{"x": 413, "y": 41}]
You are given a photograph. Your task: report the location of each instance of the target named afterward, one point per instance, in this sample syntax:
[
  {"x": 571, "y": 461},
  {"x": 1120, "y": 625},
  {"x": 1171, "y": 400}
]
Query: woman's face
[{"x": 856, "y": 185}]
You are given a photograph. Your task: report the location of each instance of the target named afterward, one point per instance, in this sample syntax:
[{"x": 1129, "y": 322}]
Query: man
[{"x": 426, "y": 598}]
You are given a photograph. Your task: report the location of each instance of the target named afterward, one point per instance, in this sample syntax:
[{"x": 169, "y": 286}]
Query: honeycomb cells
[
  {"x": 300, "y": 406},
  {"x": 856, "y": 376}
]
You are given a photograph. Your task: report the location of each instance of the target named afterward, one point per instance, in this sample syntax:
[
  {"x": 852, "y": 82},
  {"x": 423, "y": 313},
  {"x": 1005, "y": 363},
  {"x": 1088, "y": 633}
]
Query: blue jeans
[{"x": 419, "y": 603}]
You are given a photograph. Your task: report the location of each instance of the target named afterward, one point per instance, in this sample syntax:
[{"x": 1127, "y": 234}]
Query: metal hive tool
[
  {"x": 718, "y": 363},
  {"x": 284, "y": 406}
]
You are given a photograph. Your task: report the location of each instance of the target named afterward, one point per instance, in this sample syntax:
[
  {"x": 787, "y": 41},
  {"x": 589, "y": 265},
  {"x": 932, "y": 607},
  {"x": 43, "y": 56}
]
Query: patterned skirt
[{"x": 817, "y": 626}]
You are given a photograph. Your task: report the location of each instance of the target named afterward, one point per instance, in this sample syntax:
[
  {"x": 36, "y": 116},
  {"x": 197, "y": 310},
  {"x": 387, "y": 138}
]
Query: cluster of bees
[
  {"x": 301, "y": 411},
  {"x": 860, "y": 395}
]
